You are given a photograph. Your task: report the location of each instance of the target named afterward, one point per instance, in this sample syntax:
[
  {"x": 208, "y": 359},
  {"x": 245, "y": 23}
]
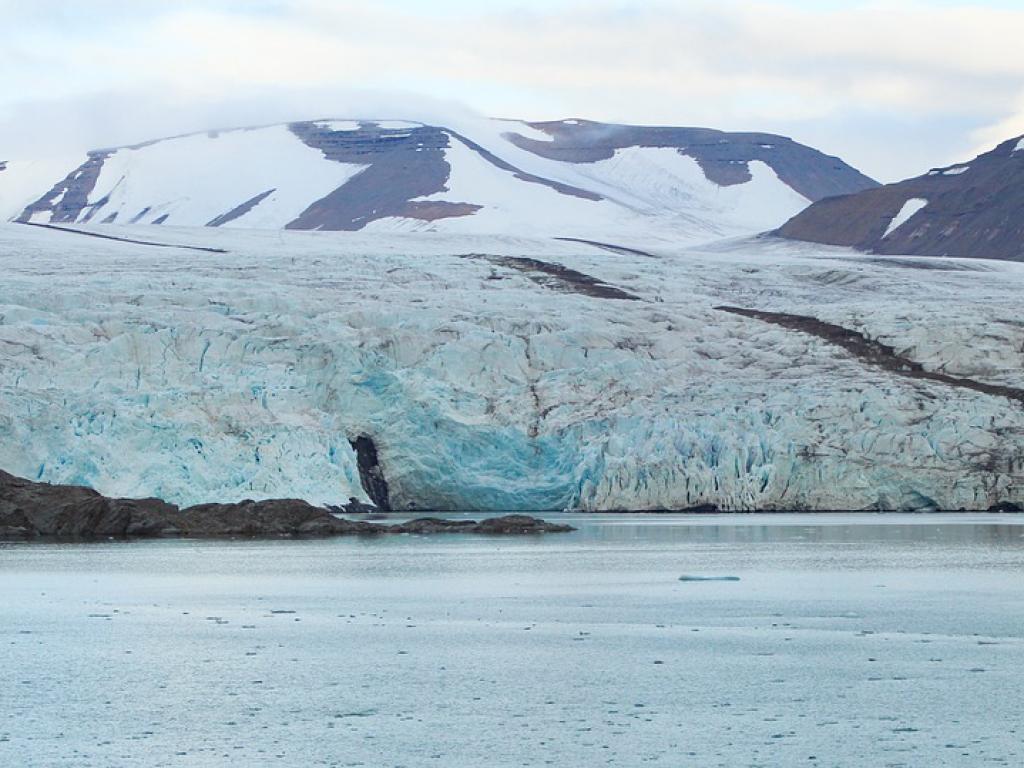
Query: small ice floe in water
[{"x": 709, "y": 578}]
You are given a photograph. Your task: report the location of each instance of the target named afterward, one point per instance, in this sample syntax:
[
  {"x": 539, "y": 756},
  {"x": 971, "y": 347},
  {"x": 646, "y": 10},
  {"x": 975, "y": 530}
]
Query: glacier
[{"x": 203, "y": 376}]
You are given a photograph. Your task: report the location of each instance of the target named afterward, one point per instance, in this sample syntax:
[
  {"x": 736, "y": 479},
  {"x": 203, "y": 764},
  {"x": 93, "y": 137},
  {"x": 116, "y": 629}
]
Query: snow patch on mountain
[
  {"x": 662, "y": 179},
  {"x": 646, "y": 191},
  {"x": 954, "y": 170},
  {"x": 337, "y": 125},
  {"x": 395, "y": 125},
  {"x": 909, "y": 209},
  {"x": 192, "y": 180},
  {"x": 510, "y": 204}
]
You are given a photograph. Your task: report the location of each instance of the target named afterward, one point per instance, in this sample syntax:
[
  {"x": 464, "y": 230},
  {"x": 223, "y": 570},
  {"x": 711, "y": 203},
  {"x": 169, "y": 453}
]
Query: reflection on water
[
  {"x": 1004, "y": 530},
  {"x": 995, "y": 530}
]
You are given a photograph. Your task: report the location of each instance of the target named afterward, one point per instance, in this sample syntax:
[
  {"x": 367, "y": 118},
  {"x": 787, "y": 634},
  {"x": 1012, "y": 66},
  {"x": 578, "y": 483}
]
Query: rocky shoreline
[{"x": 31, "y": 510}]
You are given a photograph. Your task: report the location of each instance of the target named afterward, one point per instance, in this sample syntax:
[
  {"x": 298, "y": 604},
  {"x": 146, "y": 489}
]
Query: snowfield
[
  {"x": 662, "y": 183},
  {"x": 267, "y": 178},
  {"x": 159, "y": 181},
  {"x": 905, "y": 214},
  {"x": 489, "y": 382}
]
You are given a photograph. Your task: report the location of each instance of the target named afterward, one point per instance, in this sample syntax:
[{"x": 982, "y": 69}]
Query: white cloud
[
  {"x": 1011, "y": 126},
  {"x": 726, "y": 64}
]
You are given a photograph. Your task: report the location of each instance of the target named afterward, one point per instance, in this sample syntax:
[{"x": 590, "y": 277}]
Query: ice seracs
[{"x": 489, "y": 385}]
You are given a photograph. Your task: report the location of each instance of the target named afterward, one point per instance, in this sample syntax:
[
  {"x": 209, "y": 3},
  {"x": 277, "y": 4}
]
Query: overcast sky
[{"x": 893, "y": 86}]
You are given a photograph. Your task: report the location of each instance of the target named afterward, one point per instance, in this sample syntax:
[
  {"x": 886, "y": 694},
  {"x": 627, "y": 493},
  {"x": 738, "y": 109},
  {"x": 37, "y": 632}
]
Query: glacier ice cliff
[{"x": 197, "y": 376}]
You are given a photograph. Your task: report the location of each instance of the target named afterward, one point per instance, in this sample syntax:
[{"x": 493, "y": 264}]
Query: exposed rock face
[
  {"x": 371, "y": 476},
  {"x": 971, "y": 210},
  {"x": 32, "y": 510},
  {"x": 273, "y": 517},
  {"x": 1006, "y": 506},
  {"x": 401, "y": 165},
  {"x": 517, "y": 524},
  {"x": 68, "y": 200},
  {"x": 239, "y": 211},
  {"x": 723, "y": 157}
]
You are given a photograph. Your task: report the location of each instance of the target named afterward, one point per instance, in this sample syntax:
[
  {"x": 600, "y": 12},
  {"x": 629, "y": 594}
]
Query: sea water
[{"x": 794, "y": 640}]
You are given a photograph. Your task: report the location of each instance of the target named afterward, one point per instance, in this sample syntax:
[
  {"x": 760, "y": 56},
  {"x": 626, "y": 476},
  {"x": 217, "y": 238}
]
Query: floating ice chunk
[{"x": 909, "y": 209}]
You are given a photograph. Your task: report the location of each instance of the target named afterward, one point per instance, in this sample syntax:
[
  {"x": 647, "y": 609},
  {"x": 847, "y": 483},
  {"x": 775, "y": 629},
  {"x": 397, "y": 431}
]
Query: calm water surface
[{"x": 849, "y": 640}]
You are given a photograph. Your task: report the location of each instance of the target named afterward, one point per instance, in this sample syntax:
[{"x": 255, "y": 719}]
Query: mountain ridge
[
  {"x": 969, "y": 210},
  {"x": 567, "y": 178}
]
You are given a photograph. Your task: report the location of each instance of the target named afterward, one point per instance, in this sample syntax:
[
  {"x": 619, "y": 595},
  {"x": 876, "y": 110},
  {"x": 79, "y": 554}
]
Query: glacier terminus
[{"x": 504, "y": 372}]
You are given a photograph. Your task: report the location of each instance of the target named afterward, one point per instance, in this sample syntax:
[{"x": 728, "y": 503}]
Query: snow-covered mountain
[
  {"x": 495, "y": 372},
  {"x": 572, "y": 178},
  {"x": 971, "y": 210}
]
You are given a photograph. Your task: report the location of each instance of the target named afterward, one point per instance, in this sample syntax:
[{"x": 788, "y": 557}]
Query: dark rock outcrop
[
  {"x": 400, "y": 166},
  {"x": 1006, "y": 506},
  {"x": 517, "y": 524},
  {"x": 239, "y": 211},
  {"x": 273, "y": 517},
  {"x": 371, "y": 476},
  {"x": 973, "y": 210},
  {"x": 354, "y": 507},
  {"x": 724, "y": 157},
  {"x": 68, "y": 200},
  {"x": 30, "y": 510},
  {"x": 557, "y": 277}
]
